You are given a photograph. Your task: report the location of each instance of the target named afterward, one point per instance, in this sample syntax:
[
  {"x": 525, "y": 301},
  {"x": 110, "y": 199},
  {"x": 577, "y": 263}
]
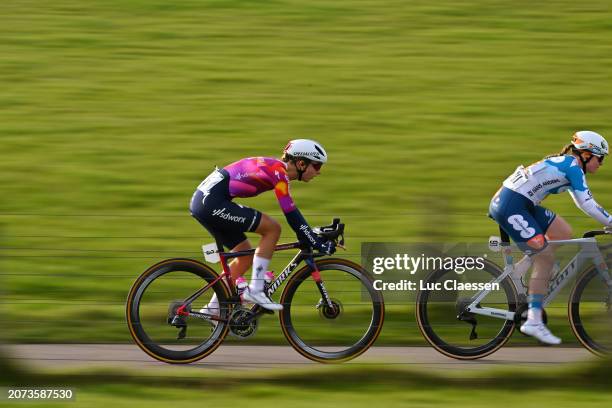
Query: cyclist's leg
[
  {"x": 559, "y": 229},
  {"x": 556, "y": 228},
  {"x": 526, "y": 224},
  {"x": 227, "y": 222},
  {"x": 270, "y": 230},
  {"x": 544, "y": 261},
  {"x": 538, "y": 287},
  {"x": 519, "y": 218},
  {"x": 240, "y": 265}
]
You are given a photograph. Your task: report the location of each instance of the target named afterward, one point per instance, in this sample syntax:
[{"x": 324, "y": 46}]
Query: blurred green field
[
  {"x": 122, "y": 395},
  {"x": 337, "y": 386},
  {"x": 111, "y": 113}
]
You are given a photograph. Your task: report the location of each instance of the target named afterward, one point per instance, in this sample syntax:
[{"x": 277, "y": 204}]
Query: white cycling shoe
[
  {"x": 540, "y": 332},
  {"x": 261, "y": 299}
]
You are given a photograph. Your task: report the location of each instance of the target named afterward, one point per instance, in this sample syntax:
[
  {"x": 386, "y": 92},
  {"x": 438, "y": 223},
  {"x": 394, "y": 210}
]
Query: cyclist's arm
[
  {"x": 581, "y": 194},
  {"x": 295, "y": 219},
  {"x": 585, "y": 201}
]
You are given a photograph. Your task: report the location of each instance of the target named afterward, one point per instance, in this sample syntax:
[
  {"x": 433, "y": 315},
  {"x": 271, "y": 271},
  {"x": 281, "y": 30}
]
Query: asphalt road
[{"x": 244, "y": 357}]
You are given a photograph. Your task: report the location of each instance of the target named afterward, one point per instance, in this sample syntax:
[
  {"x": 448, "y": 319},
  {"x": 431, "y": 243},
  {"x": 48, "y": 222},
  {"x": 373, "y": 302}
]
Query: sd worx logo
[{"x": 227, "y": 216}]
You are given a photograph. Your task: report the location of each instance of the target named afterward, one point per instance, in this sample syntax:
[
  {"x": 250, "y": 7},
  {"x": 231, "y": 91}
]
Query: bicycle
[
  {"x": 333, "y": 317},
  {"x": 449, "y": 320}
]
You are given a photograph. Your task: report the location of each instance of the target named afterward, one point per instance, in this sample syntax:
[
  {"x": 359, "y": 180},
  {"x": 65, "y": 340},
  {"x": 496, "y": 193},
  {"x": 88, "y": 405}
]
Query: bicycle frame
[
  {"x": 588, "y": 251},
  {"x": 226, "y": 278}
]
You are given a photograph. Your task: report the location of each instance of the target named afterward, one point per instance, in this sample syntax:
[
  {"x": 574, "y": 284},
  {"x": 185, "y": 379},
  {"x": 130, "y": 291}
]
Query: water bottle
[{"x": 241, "y": 286}]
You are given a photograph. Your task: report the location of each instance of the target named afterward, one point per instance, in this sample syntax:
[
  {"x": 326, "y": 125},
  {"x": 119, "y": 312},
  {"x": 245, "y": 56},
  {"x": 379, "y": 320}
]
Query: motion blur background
[{"x": 113, "y": 111}]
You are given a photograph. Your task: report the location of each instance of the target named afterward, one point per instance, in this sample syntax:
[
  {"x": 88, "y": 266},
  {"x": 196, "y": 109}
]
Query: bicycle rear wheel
[
  {"x": 590, "y": 312},
  {"x": 441, "y": 316},
  {"x": 338, "y": 333},
  {"x": 152, "y": 304}
]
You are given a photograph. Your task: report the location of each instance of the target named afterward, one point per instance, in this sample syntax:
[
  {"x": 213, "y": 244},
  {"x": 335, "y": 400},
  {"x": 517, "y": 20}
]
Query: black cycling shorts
[{"x": 213, "y": 207}]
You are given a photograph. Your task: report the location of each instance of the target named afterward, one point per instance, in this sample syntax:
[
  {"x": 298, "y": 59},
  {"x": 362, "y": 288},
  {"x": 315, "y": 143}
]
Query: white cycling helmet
[
  {"x": 591, "y": 142},
  {"x": 306, "y": 149}
]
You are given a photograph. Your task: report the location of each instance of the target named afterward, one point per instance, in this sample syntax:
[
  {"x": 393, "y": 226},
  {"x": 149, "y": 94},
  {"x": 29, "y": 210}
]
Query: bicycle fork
[{"x": 316, "y": 276}]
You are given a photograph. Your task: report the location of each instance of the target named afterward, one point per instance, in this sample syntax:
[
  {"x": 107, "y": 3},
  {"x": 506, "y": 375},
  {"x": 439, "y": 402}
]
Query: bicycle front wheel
[
  {"x": 590, "y": 312},
  {"x": 335, "y": 333},
  {"x": 443, "y": 321},
  {"x": 151, "y": 310}
]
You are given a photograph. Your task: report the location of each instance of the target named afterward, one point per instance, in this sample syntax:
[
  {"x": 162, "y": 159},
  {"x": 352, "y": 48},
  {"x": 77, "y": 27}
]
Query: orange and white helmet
[
  {"x": 590, "y": 141},
  {"x": 306, "y": 149}
]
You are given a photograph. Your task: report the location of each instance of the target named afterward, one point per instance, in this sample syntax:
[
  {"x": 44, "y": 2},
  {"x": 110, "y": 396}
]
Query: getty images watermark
[{"x": 397, "y": 267}]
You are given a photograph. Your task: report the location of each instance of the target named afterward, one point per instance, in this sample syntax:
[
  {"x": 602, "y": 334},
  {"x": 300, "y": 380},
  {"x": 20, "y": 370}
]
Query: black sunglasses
[
  {"x": 317, "y": 165},
  {"x": 600, "y": 159}
]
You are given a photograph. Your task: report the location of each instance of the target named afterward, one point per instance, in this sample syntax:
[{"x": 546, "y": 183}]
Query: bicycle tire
[
  {"x": 439, "y": 339},
  {"x": 583, "y": 326},
  {"x": 139, "y": 332},
  {"x": 355, "y": 277}
]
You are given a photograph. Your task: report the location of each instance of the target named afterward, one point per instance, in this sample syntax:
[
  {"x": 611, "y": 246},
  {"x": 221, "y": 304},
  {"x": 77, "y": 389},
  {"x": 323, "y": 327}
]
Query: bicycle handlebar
[
  {"x": 332, "y": 232},
  {"x": 590, "y": 234}
]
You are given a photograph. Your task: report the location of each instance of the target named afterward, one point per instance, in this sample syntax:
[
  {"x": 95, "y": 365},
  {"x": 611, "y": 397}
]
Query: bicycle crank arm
[{"x": 258, "y": 311}]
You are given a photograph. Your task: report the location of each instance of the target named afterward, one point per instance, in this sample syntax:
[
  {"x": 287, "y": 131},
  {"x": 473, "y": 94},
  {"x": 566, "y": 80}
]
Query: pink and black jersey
[
  {"x": 254, "y": 175},
  {"x": 213, "y": 206}
]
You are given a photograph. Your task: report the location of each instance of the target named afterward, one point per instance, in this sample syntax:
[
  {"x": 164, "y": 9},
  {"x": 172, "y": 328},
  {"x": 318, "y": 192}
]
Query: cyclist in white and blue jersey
[{"x": 516, "y": 208}]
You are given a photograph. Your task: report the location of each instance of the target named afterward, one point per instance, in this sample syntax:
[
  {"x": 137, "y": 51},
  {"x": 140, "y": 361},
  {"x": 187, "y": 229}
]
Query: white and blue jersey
[{"x": 516, "y": 205}]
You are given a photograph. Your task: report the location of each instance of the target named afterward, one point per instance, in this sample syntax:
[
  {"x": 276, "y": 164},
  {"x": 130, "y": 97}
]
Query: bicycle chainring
[{"x": 243, "y": 323}]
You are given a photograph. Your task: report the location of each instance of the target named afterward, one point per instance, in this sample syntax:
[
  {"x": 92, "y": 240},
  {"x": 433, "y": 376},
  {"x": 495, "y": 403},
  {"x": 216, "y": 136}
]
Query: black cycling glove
[{"x": 306, "y": 235}]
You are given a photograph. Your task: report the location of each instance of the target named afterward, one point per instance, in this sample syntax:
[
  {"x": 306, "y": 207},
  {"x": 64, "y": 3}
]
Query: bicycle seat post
[
  {"x": 219, "y": 245},
  {"x": 505, "y": 247},
  {"x": 226, "y": 269}
]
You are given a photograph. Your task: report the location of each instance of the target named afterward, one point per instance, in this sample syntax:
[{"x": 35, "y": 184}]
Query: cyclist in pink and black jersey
[{"x": 213, "y": 206}]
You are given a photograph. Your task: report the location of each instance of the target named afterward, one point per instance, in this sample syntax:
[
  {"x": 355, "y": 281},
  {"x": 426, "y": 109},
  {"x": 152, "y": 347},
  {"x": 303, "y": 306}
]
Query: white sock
[
  {"x": 214, "y": 303},
  {"x": 260, "y": 266},
  {"x": 534, "y": 316}
]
